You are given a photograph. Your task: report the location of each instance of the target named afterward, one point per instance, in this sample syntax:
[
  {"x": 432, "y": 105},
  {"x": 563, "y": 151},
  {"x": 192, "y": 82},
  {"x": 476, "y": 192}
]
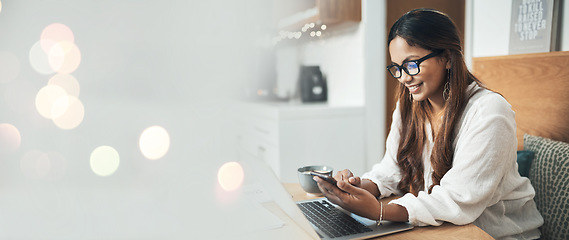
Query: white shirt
[{"x": 482, "y": 187}]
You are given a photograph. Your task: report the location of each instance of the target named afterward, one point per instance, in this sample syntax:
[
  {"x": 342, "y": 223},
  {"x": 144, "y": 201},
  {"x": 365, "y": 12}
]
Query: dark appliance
[{"x": 313, "y": 87}]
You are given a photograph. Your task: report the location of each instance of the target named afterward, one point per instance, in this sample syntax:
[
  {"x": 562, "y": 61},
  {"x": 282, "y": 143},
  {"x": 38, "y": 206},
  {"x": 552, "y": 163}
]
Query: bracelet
[{"x": 378, "y": 222}]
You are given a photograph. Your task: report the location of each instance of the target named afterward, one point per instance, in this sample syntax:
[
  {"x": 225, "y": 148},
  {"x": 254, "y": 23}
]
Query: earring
[{"x": 446, "y": 89}]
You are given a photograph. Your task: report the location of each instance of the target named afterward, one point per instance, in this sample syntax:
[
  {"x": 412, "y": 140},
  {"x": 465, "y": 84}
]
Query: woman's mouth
[{"x": 414, "y": 88}]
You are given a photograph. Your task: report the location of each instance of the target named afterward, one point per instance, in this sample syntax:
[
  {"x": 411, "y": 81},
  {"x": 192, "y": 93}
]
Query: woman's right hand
[{"x": 347, "y": 175}]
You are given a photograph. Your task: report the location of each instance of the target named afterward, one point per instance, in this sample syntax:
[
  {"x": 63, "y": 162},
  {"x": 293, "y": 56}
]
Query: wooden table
[{"x": 445, "y": 231}]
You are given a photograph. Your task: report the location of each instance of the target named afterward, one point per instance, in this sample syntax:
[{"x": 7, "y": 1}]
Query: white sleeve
[
  {"x": 485, "y": 146},
  {"x": 386, "y": 174}
]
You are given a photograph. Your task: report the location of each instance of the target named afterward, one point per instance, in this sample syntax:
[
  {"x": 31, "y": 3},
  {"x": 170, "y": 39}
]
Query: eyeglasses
[{"x": 410, "y": 67}]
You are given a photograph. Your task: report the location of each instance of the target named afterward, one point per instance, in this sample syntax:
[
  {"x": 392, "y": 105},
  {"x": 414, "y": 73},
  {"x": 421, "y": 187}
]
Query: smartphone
[{"x": 327, "y": 178}]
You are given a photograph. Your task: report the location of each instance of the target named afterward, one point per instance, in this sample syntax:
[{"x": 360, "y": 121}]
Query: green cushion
[
  {"x": 525, "y": 158},
  {"x": 549, "y": 175}
]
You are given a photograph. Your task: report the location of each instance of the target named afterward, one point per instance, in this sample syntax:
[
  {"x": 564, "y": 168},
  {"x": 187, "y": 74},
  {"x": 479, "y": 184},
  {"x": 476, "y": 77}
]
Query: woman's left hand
[{"x": 351, "y": 198}]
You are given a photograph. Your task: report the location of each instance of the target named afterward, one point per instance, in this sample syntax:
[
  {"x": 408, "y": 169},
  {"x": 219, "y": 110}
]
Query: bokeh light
[
  {"x": 53, "y": 34},
  {"x": 73, "y": 114},
  {"x": 10, "y": 138},
  {"x": 39, "y": 60},
  {"x": 59, "y": 106},
  {"x": 230, "y": 176},
  {"x": 64, "y": 57},
  {"x": 55, "y": 51},
  {"x": 35, "y": 164},
  {"x": 46, "y": 99},
  {"x": 9, "y": 67},
  {"x": 104, "y": 161},
  {"x": 154, "y": 142},
  {"x": 67, "y": 82}
]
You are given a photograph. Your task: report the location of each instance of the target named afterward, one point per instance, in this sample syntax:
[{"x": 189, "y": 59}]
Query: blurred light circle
[
  {"x": 54, "y": 33},
  {"x": 46, "y": 98},
  {"x": 9, "y": 67},
  {"x": 35, "y": 164},
  {"x": 230, "y": 176},
  {"x": 154, "y": 142},
  {"x": 39, "y": 60},
  {"x": 59, "y": 106},
  {"x": 73, "y": 114},
  {"x": 64, "y": 57},
  {"x": 67, "y": 82},
  {"x": 10, "y": 138},
  {"x": 104, "y": 161}
]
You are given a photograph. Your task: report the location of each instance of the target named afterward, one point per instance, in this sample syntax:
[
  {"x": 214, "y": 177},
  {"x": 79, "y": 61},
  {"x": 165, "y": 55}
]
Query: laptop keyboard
[{"x": 331, "y": 220}]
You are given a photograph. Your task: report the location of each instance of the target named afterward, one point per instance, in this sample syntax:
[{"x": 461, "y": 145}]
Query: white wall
[
  {"x": 374, "y": 58},
  {"x": 491, "y": 27},
  {"x": 564, "y": 26}
]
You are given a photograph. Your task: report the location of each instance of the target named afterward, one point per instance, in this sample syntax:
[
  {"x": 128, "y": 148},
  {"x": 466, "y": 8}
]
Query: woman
[{"x": 451, "y": 151}]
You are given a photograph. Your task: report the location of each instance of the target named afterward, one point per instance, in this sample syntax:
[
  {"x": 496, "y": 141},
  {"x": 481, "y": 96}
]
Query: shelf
[
  {"x": 285, "y": 111},
  {"x": 326, "y": 12},
  {"x": 312, "y": 22}
]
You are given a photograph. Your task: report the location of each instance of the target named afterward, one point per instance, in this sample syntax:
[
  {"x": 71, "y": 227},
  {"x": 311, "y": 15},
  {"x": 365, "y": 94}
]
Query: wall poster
[{"x": 533, "y": 26}]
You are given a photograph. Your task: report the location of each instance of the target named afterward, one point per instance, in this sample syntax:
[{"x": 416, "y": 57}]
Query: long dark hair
[{"x": 431, "y": 30}]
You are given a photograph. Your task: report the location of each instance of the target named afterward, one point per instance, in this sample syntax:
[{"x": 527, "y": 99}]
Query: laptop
[
  {"x": 332, "y": 222},
  {"x": 310, "y": 215}
]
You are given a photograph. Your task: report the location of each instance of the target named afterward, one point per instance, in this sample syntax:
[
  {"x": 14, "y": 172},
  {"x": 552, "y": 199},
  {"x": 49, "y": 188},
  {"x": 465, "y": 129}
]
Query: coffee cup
[{"x": 307, "y": 181}]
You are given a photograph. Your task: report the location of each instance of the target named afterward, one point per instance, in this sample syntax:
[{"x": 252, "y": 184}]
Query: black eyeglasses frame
[{"x": 418, "y": 62}]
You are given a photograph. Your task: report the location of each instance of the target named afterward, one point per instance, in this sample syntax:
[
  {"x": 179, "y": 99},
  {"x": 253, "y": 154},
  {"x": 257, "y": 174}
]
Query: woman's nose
[{"x": 405, "y": 77}]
